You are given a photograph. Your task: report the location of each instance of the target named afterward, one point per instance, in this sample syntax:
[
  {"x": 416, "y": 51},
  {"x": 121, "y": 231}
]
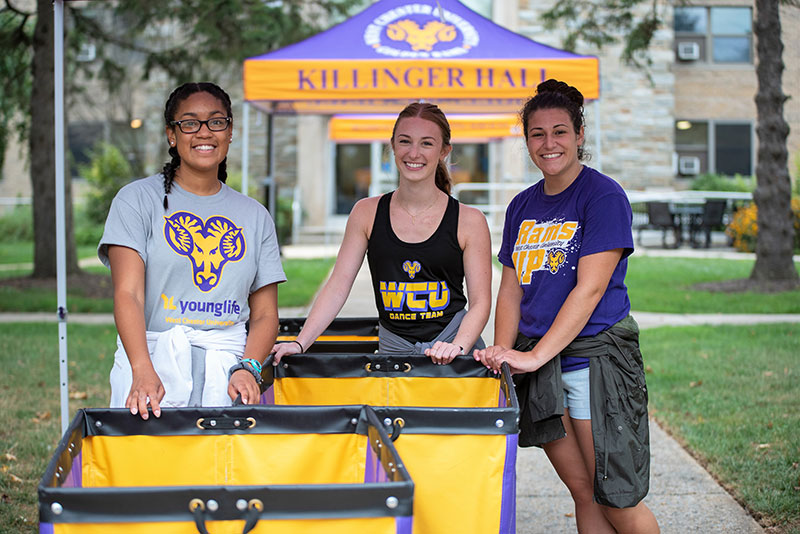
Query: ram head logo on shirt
[
  {"x": 555, "y": 258},
  {"x": 208, "y": 245},
  {"x": 412, "y": 268},
  {"x": 421, "y": 38}
]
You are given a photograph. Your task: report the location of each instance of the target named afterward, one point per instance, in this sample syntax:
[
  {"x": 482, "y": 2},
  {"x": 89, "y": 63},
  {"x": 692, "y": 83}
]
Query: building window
[
  {"x": 713, "y": 34},
  {"x": 469, "y": 163},
  {"x": 733, "y": 149},
  {"x": 714, "y": 147},
  {"x": 353, "y": 175}
]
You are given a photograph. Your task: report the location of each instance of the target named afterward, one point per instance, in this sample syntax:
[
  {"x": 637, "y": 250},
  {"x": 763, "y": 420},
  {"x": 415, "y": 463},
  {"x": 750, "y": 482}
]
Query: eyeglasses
[{"x": 188, "y": 126}]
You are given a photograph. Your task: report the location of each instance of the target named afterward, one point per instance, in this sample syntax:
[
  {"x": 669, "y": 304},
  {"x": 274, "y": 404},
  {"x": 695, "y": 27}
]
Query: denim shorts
[{"x": 576, "y": 393}]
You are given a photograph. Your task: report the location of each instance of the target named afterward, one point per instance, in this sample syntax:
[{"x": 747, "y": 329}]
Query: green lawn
[
  {"x": 22, "y": 252},
  {"x": 730, "y": 394},
  {"x": 29, "y": 406},
  {"x": 665, "y": 285},
  {"x": 16, "y": 252}
]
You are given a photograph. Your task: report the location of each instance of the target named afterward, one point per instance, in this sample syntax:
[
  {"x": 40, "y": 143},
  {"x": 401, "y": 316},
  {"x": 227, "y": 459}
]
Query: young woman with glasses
[{"x": 191, "y": 262}]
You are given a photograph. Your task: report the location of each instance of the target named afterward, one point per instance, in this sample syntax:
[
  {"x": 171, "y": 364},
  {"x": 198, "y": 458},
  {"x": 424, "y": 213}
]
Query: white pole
[
  {"x": 245, "y": 147},
  {"x": 61, "y": 249},
  {"x": 375, "y": 183},
  {"x": 272, "y": 186},
  {"x": 597, "y": 137}
]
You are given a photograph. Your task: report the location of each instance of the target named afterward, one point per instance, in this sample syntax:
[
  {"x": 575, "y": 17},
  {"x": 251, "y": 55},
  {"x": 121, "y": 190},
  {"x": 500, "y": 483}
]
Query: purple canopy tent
[{"x": 397, "y": 51}]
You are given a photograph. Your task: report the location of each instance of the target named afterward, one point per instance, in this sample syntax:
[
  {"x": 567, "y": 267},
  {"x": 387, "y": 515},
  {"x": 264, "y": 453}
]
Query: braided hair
[
  {"x": 553, "y": 94},
  {"x": 179, "y": 95},
  {"x": 432, "y": 113}
]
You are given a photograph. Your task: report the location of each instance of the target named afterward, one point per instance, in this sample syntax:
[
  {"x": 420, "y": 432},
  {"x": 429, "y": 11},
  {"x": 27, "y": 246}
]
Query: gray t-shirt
[{"x": 203, "y": 257}]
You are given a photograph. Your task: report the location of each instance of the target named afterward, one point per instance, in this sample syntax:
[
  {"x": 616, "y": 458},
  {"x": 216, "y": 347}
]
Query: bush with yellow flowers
[{"x": 743, "y": 228}]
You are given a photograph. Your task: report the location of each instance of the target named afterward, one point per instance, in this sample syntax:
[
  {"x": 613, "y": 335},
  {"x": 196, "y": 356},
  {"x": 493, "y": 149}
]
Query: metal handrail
[
  {"x": 636, "y": 197},
  {"x": 15, "y": 201},
  {"x": 491, "y": 209}
]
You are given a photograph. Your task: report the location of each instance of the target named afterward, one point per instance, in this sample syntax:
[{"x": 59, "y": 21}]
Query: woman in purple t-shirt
[{"x": 564, "y": 253}]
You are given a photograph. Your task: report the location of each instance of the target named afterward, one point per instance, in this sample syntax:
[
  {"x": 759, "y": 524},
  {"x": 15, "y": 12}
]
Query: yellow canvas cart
[
  {"x": 259, "y": 469},
  {"x": 455, "y": 426}
]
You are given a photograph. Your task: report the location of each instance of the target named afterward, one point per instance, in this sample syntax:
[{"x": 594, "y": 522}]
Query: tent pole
[
  {"x": 271, "y": 167},
  {"x": 61, "y": 263},
  {"x": 597, "y": 137},
  {"x": 245, "y": 147}
]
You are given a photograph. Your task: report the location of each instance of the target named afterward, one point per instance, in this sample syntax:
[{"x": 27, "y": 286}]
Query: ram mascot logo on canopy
[
  {"x": 421, "y": 38},
  {"x": 208, "y": 245}
]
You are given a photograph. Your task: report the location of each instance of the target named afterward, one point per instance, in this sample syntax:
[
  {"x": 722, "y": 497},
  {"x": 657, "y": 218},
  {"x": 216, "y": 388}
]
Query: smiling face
[
  {"x": 418, "y": 148},
  {"x": 553, "y": 143},
  {"x": 201, "y": 152}
]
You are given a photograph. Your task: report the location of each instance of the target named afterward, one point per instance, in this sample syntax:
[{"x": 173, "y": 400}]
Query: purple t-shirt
[{"x": 544, "y": 237}]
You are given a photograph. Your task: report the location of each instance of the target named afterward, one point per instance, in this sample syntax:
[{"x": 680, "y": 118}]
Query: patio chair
[
  {"x": 713, "y": 211},
  {"x": 661, "y": 218}
]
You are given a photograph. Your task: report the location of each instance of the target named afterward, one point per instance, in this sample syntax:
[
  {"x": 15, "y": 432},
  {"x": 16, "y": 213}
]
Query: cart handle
[
  {"x": 254, "y": 509},
  {"x": 397, "y": 427},
  {"x": 372, "y": 368}
]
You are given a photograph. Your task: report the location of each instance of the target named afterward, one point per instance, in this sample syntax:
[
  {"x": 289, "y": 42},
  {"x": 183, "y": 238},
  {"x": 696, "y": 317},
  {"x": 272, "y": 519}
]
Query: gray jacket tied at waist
[{"x": 618, "y": 399}]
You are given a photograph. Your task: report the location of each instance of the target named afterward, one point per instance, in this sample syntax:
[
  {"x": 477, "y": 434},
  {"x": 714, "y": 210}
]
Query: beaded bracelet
[{"x": 254, "y": 363}]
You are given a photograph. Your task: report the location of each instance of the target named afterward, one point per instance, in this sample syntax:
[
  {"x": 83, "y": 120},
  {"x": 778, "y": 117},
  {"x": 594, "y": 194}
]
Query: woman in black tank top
[{"x": 421, "y": 246}]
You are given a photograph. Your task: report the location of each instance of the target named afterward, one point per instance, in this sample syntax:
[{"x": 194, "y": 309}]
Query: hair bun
[{"x": 556, "y": 86}]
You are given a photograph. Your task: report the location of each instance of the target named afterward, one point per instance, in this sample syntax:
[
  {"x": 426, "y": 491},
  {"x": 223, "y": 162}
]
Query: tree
[
  {"x": 41, "y": 144},
  {"x": 202, "y": 35},
  {"x": 774, "y": 189},
  {"x": 15, "y": 64},
  {"x": 599, "y": 23}
]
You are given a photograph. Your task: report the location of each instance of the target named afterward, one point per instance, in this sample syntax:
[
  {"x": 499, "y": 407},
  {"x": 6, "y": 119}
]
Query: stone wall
[{"x": 635, "y": 112}]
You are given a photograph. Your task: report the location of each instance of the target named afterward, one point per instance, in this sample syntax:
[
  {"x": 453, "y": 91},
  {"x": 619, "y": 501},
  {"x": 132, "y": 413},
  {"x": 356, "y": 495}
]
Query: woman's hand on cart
[
  {"x": 243, "y": 383},
  {"x": 146, "y": 390},
  {"x": 443, "y": 353},
  {"x": 279, "y": 350},
  {"x": 519, "y": 362}
]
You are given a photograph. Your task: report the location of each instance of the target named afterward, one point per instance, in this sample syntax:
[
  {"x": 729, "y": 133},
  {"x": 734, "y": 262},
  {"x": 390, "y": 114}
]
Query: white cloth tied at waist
[{"x": 171, "y": 354}]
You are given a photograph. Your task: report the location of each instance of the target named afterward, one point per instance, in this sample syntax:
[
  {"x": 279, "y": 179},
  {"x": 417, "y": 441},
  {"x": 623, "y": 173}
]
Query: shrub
[
  {"x": 234, "y": 181},
  {"x": 17, "y": 224},
  {"x": 106, "y": 173},
  {"x": 743, "y": 228},
  {"x": 283, "y": 221},
  {"x": 720, "y": 182},
  {"x": 87, "y": 231}
]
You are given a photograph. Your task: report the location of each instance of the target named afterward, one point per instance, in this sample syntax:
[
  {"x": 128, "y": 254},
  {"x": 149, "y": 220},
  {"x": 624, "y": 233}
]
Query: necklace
[{"x": 414, "y": 217}]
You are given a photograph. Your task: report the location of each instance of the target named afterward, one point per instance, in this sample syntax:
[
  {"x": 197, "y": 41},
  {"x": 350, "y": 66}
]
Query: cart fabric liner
[
  {"x": 455, "y": 426},
  {"x": 275, "y": 470},
  {"x": 344, "y": 334}
]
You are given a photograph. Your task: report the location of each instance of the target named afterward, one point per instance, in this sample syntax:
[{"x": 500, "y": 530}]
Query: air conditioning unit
[
  {"x": 689, "y": 165},
  {"x": 87, "y": 53},
  {"x": 688, "y": 51}
]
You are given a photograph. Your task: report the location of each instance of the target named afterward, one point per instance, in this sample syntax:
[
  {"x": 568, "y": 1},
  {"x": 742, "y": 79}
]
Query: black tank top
[{"x": 418, "y": 287}]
